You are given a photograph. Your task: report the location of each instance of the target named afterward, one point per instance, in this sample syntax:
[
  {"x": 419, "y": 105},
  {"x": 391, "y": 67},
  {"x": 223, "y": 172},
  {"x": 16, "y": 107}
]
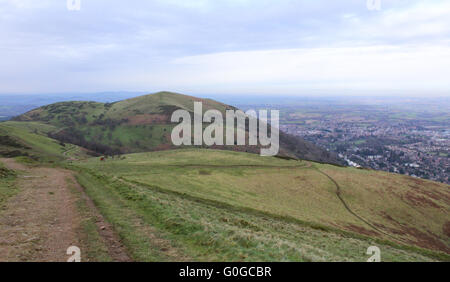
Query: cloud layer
[{"x": 218, "y": 46}]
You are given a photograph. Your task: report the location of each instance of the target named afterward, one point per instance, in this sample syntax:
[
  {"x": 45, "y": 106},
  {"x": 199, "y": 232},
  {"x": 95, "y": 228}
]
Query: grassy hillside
[
  {"x": 142, "y": 124},
  {"x": 161, "y": 103},
  {"x": 27, "y": 139},
  {"x": 218, "y": 204},
  {"x": 205, "y": 204},
  {"x": 7, "y": 187}
]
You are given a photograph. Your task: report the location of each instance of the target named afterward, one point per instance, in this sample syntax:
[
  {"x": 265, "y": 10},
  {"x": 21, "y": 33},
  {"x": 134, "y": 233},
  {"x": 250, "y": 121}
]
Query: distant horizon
[
  {"x": 248, "y": 95},
  {"x": 30, "y": 101}
]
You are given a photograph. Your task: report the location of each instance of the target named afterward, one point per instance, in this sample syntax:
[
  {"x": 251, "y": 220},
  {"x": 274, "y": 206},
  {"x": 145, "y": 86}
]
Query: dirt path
[
  {"x": 338, "y": 194},
  {"x": 39, "y": 223},
  {"x": 42, "y": 220},
  {"x": 12, "y": 164}
]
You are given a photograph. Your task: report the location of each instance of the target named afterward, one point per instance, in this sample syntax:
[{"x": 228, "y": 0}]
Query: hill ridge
[{"x": 142, "y": 123}]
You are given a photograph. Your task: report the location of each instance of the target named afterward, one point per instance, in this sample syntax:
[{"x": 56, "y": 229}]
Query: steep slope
[{"x": 143, "y": 124}]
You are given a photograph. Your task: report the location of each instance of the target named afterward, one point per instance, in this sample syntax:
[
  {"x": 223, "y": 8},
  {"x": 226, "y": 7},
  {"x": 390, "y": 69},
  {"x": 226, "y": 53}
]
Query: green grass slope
[
  {"x": 204, "y": 204},
  {"x": 269, "y": 208},
  {"x": 27, "y": 139},
  {"x": 142, "y": 124},
  {"x": 7, "y": 187}
]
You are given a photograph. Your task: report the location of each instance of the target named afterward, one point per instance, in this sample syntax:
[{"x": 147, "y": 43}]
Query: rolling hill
[
  {"x": 143, "y": 124},
  {"x": 217, "y": 205}
]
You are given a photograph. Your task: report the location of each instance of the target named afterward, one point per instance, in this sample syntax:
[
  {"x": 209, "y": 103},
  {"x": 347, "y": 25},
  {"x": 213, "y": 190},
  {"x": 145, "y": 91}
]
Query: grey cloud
[{"x": 41, "y": 40}]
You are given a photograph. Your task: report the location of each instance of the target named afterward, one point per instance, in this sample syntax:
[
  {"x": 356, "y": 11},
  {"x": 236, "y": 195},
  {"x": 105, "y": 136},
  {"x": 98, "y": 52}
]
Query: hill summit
[{"x": 143, "y": 124}]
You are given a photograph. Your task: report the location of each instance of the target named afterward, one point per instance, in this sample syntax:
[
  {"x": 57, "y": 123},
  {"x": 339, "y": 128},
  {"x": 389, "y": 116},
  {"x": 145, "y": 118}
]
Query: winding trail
[
  {"x": 42, "y": 220},
  {"x": 307, "y": 165},
  {"x": 303, "y": 165},
  {"x": 338, "y": 194}
]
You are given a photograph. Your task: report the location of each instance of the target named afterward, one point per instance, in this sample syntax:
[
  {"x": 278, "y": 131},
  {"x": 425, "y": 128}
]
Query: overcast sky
[{"x": 296, "y": 47}]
